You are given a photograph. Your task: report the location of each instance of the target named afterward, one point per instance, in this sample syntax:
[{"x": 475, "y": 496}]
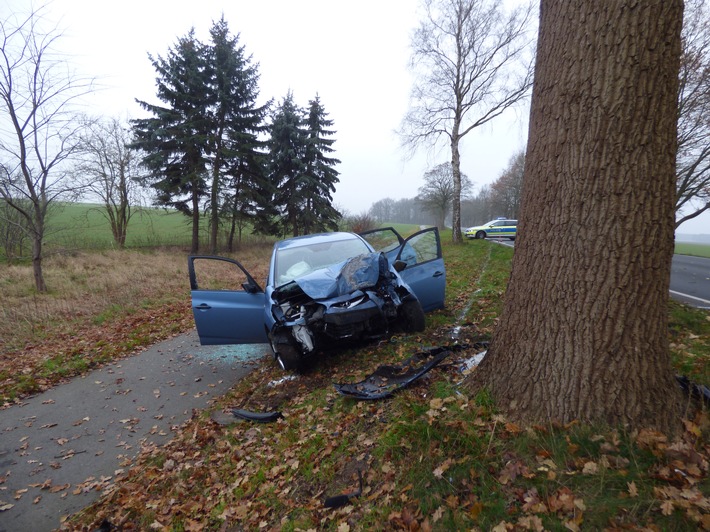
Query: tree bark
[
  {"x": 40, "y": 284},
  {"x": 583, "y": 333},
  {"x": 195, "y": 247},
  {"x": 456, "y": 171}
]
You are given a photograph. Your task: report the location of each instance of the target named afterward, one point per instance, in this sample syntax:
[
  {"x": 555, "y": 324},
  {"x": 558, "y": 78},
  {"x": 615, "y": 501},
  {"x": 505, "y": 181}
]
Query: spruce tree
[
  {"x": 320, "y": 176},
  {"x": 287, "y": 147},
  {"x": 175, "y": 137},
  {"x": 238, "y": 179}
]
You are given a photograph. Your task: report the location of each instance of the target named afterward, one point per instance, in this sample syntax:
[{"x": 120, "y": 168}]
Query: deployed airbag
[{"x": 357, "y": 273}]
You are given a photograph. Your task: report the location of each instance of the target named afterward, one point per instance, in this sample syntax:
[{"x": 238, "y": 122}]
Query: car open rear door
[
  {"x": 424, "y": 272},
  {"x": 227, "y": 303}
]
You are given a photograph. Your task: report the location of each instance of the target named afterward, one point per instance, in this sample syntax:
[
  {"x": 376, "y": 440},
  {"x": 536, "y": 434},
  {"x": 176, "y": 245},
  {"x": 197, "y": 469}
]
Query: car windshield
[{"x": 294, "y": 262}]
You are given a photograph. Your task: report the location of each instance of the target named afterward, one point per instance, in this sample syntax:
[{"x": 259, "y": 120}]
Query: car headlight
[{"x": 350, "y": 303}]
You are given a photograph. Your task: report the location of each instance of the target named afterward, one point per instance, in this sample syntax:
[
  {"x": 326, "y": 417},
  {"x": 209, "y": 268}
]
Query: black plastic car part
[
  {"x": 344, "y": 498},
  {"x": 387, "y": 379},
  {"x": 692, "y": 389},
  {"x": 259, "y": 417}
]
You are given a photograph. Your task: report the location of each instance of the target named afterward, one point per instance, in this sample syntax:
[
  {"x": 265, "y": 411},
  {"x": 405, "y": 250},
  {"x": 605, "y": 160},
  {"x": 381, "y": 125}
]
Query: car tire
[
  {"x": 412, "y": 317},
  {"x": 288, "y": 358},
  {"x": 481, "y": 234},
  {"x": 285, "y": 354}
]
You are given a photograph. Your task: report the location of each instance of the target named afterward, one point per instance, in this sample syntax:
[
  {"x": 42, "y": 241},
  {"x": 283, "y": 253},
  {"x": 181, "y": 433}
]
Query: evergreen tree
[
  {"x": 287, "y": 147},
  {"x": 237, "y": 187},
  {"x": 175, "y": 139},
  {"x": 320, "y": 175}
]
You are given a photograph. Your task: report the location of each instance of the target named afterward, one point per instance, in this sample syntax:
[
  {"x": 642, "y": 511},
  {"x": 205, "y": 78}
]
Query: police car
[{"x": 500, "y": 227}]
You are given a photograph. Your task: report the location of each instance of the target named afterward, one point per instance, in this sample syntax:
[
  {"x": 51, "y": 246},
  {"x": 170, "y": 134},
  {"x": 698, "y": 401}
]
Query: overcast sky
[{"x": 352, "y": 54}]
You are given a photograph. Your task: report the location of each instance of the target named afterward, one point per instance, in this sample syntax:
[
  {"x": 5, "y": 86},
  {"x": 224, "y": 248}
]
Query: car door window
[
  {"x": 385, "y": 239},
  {"x": 425, "y": 272},
  {"x": 420, "y": 248},
  {"x": 219, "y": 273}
]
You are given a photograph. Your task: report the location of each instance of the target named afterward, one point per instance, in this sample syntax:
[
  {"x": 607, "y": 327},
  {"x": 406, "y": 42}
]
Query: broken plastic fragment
[
  {"x": 694, "y": 390},
  {"x": 388, "y": 379},
  {"x": 344, "y": 498},
  {"x": 259, "y": 417}
]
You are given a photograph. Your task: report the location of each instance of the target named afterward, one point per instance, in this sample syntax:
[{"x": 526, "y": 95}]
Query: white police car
[{"x": 498, "y": 228}]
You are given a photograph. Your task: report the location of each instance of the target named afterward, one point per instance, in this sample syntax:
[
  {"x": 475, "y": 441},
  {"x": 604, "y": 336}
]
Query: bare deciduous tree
[
  {"x": 437, "y": 193},
  {"x": 13, "y": 232},
  {"x": 693, "y": 161},
  {"x": 110, "y": 172},
  {"x": 507, "y": 190},
  {"x": 472, "y": 61},
  {"x": 39, "y": 131}
]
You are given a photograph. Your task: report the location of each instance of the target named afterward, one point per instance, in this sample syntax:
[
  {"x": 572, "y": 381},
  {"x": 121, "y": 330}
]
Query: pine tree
[
  {"x": 287, "y": 147},
  {"x": 175, "y": 138},
  {"x": 320, "y": 176},
  {"x": 238, "y": 178}
]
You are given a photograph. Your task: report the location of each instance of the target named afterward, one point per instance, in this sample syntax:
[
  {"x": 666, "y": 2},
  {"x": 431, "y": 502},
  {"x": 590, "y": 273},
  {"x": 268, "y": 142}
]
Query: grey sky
[{"x": 353, "y": 54}]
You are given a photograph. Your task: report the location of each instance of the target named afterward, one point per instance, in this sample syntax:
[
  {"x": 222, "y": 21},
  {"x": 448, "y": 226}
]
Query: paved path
[{"x": 60, "y": 448}]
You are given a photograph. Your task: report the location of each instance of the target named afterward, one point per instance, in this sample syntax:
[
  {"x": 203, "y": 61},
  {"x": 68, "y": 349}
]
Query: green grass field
[
  {"x": 84, "y": 226},
  {"x": 696, "y": 250}
]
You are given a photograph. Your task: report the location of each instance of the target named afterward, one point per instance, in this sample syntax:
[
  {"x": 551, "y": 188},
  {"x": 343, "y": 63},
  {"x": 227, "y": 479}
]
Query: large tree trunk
[{"x": 583, "y": 334}]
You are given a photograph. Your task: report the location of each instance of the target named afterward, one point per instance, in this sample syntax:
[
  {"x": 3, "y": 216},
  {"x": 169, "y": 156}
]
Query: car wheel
[
  {"x": 412, "y": 317},
  {"x": 285, "y": 354},
  {"x": 481, "y": 234},
  {"x": 288, "y": 358}
]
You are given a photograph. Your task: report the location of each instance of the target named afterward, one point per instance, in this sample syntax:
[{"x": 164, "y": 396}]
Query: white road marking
[{"x": 689, "y": 296}]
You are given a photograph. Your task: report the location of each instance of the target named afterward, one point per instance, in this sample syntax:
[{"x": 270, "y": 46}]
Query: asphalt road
[
  {"x": 690, "y": 278},
  {"x": 59, "y": 449}
]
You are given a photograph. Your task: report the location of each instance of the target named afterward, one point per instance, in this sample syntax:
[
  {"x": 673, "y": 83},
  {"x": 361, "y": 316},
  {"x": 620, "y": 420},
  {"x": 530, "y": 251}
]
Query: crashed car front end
[{"x": 359, "y": 299}]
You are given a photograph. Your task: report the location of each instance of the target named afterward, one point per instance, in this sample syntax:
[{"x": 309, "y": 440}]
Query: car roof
[{"x": 319, "y": 238}]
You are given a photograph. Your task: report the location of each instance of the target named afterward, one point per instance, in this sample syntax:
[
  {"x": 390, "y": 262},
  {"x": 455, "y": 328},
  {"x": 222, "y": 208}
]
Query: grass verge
[
  {"x": 432, "y": 458},
  {"x": 101, "y": 306},
  {"x": 696, "y": 250}
]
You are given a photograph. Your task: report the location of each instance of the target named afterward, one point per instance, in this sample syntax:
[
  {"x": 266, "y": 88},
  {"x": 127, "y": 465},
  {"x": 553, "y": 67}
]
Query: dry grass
[{"x": 92, "y": 293}]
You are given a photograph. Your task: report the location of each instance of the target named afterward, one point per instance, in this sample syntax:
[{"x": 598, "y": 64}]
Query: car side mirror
[
  {"x": 250, "y": 288},
  {"x": 399, "y": 265}
]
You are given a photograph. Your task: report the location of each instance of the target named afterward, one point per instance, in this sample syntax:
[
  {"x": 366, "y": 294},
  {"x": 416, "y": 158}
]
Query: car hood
[{"x": 357, "y": 273}]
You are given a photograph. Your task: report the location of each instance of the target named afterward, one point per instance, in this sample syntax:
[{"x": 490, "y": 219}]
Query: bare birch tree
[
  {"x": 693, "y": 161},
  {"x": 38, "y": 128},
  {"x": 472, "y": 61}
]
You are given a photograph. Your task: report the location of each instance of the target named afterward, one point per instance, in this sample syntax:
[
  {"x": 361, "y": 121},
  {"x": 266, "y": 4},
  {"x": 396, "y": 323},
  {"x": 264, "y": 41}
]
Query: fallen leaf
[
  {"x": 590, "y": 468},
  {"x": 667, "y": 507},
  {"x": 633, "y": 490},
  {"x": 439, "y": 471}
]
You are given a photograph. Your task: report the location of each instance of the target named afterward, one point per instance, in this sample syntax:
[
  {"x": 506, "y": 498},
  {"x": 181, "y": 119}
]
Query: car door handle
[
  {"x": 438, "y": 274},
  {"x": 203, "y": 306}
]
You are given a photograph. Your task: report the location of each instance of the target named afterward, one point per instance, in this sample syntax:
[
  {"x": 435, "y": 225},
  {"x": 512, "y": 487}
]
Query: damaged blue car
[{"x": 322, "y": 291}]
